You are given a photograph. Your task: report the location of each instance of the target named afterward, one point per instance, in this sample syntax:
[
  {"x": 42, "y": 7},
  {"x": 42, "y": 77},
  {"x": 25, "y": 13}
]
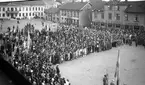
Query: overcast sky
[{"x": 25, "y": 0}]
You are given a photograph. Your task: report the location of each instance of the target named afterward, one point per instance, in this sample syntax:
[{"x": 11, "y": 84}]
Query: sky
[{"x": 26, "y": 0}]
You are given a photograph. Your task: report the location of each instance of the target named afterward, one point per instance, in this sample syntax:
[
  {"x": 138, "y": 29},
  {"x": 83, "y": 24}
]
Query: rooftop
[
  {"x": 98, "y": 5},
  {"x": 136, "y": 8},
  {"x": 132, "y": 6},
  {"x": 51, "y": 10},
  {"x": 73, "y": 5},
  {"x": 25, "y": 3}
]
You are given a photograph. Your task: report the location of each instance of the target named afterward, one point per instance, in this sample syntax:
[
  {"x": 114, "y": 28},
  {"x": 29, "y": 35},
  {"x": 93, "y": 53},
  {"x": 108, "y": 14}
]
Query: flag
[
  {"x": 117, "y": 69},
  {"x": 29, "y": 40}
]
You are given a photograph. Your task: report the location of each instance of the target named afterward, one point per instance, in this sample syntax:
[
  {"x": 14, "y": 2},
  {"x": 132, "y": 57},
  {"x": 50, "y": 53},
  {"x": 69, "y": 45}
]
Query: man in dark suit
[{"x": 105, "y": 80}]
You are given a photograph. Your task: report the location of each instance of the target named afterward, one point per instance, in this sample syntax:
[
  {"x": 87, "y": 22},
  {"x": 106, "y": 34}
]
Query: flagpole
[{"x": 118, "y": 76}]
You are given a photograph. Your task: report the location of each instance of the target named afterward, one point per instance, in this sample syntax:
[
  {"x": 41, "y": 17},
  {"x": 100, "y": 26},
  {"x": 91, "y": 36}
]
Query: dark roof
[
  {"x": 51, "y": 10},
  {"x": 136, "y": 8},
  {"x": 29, "y": 3},
  {"x": 132, "y": 6},
  {"x": 73, "y": 5},
  {"x": 123, "y": 2},
  {"x": 98, "y": 5}
]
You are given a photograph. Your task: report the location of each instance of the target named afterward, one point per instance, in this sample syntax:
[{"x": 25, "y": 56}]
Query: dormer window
[
  {"x": 136, "y": 18},
  {"x": 110, "y": 7}
]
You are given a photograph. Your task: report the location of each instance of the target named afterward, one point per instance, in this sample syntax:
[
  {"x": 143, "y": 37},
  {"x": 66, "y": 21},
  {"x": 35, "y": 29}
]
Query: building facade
[
  {"x": 73, "y": 12},
  {"x": 98, "y": 13},
  {"x": 22, "y": 9},
  {"x": 118, "y": 15},
  {"x": 52, "y": 14},
  {"x": 135, "y": 15}
]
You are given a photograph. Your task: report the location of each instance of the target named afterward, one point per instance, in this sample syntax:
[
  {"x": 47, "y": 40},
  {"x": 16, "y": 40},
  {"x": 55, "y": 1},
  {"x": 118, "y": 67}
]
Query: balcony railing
[{"x": 11, "y": 12}]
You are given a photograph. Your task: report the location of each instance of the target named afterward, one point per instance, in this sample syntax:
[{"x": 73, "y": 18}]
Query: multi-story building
[
  {"x": 98, "y": 13},
  {"x": 52, "y": 14},
  {"x": 135, "y": 15},
  {"x": 22, "y": 9},
  {"x": 75, "y": 13},
  {"x": 124, "y": 14}
]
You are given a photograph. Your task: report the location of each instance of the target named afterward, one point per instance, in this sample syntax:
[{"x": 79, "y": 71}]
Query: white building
[{"x": 22, "y": 9}]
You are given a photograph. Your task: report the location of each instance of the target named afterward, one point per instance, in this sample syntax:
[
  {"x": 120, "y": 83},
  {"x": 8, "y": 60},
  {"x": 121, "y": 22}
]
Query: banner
[{"x": 117, "y": 72}]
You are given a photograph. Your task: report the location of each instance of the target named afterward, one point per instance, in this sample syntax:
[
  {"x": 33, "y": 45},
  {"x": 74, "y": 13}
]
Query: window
[
  {"x": 20, "y": 9},
  {"x": 39, "y": 8},
  {"x": 8, "y": 9},
  {"x": 95, "y": 14},
  {"x": 118, "y": 25},
  {"x": 29, "y": 14},
  {"x": 3, "y": 15},
  {"x": 110, "y": 7},
  {"x": 102, "y": 24},
  {"x": 3, "y": 9},
  {"x": 33, "y": 8},
  {"x": 23, "y": 14},
  {"x": 20, "y": 14},
  {"x": 102, "y": 15},
  {"x": 109, "y": 25},
  {"x": 126, "y": 17},
  {"x": 117, "y": 16},
  {"x": 109, "y": 16},
  {"x": 0, "y": 14},
  {"x": 15, "y": 9},
  {"x": 26, "y": 9},
  {"x": 23, "y": 8},
  {"x": 77, "y": 14},
  {"x": 33, "y": 14},
  {"x": 12, "y": 9},
  {"x": 118, "y": 8},
  {"x": 136, "y": 18},
  {"x": 72, "y": 13},
  {"x": 29, "y": 8},
  {"x": 0, "y": 8},
  {"x": 41, "y": 14},
  {"x": 36, "y": 8},
  {"x": 26, "y": 14}
]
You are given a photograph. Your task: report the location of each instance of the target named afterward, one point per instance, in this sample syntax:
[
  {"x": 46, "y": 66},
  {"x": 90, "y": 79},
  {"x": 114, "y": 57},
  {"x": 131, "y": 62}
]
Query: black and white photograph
[{"x": 72, "y": 42}]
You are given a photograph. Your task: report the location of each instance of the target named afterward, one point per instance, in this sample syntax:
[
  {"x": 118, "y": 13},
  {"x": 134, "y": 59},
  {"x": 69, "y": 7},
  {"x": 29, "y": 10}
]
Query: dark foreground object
[
  {"x": 4, "y": 80},
  {"x": 12, "y": 73}
]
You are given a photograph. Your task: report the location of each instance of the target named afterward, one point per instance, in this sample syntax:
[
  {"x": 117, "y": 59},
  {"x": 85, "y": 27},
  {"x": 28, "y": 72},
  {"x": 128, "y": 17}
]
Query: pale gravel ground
[
  {"x": 89, "y": 70},
  {"x": 36, "y": 22}
]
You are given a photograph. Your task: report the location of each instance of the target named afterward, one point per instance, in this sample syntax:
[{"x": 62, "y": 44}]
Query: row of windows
[
  {"x": 102, "y": 15},
  {"x": 70, "y": 13},
  {"x": 110, "y": 16},
  {"x": 117, "y": 17},
  {"x": 21, "y": 14},
  {"x": 136, "y": 18},
  {"x": 115, "y": 7},
  {"x": 22, "y": 9}
]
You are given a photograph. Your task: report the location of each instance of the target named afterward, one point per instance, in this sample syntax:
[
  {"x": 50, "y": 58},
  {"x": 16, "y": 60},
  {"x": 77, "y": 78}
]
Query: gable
[
  {"x": 87, "y": 6},
  {"x": 73, "y": 6}
]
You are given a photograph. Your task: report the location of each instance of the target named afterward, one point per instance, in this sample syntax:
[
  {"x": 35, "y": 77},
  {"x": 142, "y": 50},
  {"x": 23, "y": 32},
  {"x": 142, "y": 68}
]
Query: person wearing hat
[{"x": 105, "y": 80}]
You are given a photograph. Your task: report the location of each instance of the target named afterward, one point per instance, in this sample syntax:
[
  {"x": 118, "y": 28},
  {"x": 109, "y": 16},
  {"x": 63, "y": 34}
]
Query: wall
[
  {"x": 85, "y": 16},
  {"x": 131, "y": 19},
  {"x": 22, "y": 9}
]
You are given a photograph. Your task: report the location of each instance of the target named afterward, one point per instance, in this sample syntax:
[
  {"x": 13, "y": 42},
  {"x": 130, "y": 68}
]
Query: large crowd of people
[{"x": 36, "y": 54}]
